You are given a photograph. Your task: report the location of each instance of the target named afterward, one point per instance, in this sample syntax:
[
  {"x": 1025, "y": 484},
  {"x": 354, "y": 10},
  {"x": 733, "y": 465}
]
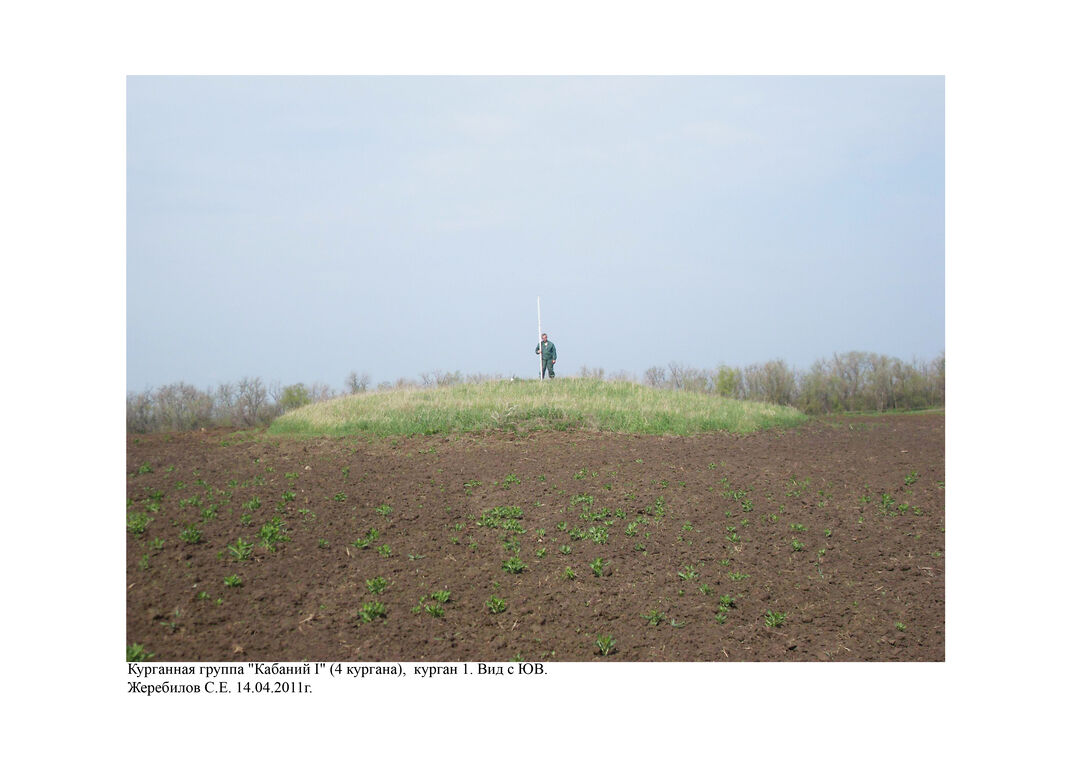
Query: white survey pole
[{"x": 539, "y": 340}]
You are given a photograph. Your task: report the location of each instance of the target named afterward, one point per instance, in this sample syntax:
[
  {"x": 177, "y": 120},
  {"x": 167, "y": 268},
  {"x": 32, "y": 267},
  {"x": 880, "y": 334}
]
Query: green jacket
[{"x": 549, "y": 351}]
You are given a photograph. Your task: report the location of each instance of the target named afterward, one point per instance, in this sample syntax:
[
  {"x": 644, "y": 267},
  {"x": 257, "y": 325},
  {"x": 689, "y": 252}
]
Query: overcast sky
[{"x": 300, "y": 228}]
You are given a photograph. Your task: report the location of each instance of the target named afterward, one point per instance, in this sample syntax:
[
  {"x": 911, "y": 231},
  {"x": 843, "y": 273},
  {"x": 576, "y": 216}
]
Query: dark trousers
[{"x": 549, "y": 368}]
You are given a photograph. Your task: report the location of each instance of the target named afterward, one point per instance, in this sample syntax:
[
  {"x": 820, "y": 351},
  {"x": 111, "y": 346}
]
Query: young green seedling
[
  {"x": 241, "y": 551},
  {"x": 774, "y": 619},
  {"x": 514, "y": 565},
  {"x": 654, "y": 617},
  {"x": 377, "y": 585},
  {"x": 371, "y": 610}
]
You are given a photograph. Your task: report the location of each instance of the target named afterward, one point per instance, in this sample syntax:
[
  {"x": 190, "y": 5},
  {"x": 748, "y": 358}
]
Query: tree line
[
  {"x": 853, "y": 381},
  {"x": 251, "y": 402}
]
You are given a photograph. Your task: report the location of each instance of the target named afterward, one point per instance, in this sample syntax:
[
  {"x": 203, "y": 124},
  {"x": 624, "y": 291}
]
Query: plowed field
[{"x": 704, "y": 542}]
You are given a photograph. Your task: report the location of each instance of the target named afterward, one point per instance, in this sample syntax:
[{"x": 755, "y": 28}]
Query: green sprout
[
  {"x": 370, "y": 537},
  {"x": 606, "y": 645},
  {"x": 376, "y": 585},
  {"x": 138, "y": 653},
  {"x": 272, "y": 533},
  {"x": 371, "y": 610},
  {"x": 689, "y": 573},
  {"x": 654, "y": 617},
  {"x": 514, "y": 565},
  {"x": 241, "y": 551},
  {"x": 774, "y": 619},
  {"x": 137, "y": 522}
]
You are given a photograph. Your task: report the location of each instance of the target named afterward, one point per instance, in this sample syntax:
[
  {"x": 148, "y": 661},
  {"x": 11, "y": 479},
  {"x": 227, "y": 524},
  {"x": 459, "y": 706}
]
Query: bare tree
[
  {"x": 356, "y": 383},
  {"x": 779, "y": 383},
  {"x": 850, "y": 369},
  {"x": 882, "y": 380},
  {"x": 938, "y": 380},
  {"x": 753, "y": 382},
  {"x": 677, "y": 374},
  {"x": 449, "y": 379},
  {"x": 818, "y": 389},
  {"x": 694, "y": 379},
  {"x": 225, "y": 403},
  {"x": 140, "y": 412},
  {"x": 182, "y": 407},
  {"x": 655, "y": 376},
  {"x": 319, "y": 391},
  {"x": 252, "y": 400},
  {"x": 277, "y": 392}
]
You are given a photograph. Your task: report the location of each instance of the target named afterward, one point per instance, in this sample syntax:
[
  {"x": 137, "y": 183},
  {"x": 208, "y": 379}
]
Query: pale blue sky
[{"x": 300, "y": 228}]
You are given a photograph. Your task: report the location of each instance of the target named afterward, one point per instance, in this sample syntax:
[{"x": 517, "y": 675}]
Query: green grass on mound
[{"x": 526, "y": 405}]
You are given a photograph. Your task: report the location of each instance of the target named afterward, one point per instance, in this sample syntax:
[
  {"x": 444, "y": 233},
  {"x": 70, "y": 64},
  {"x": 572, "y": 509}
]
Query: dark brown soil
[{"x": 868, "y": 584}]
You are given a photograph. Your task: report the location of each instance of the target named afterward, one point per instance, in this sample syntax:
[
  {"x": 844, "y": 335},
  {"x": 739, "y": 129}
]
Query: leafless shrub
[
  {"x": 140, "y": 412},
  {"x": 320, "y": 391},
  {"x": 225, "y": 403},
  {"x": 678, "y": 373},
  {"x": 356, "y": 383},
  {"x": 439, "y": 378},
  {"x": 656, "y": 377},
  {"x": 779, "y": 382},
  {"x": 181, "y": 407},
  {"x": 694, "y": 380},
  {"x": 252, "y": 401}
]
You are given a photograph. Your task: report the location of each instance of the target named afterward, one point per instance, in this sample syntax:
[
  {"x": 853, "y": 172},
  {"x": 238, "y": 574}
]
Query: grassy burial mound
[{"x": 527, "y": 405}]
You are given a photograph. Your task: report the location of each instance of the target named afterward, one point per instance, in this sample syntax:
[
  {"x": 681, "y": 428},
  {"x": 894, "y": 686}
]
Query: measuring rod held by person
[{"x": 539, "y": 337}]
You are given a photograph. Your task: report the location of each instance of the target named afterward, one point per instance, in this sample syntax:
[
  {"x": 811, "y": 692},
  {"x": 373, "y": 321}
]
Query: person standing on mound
[{"x": 546, "y": 351}]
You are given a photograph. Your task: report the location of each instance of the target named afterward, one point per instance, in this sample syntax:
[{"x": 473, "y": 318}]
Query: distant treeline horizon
[{"x": 848, "y": 382}]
